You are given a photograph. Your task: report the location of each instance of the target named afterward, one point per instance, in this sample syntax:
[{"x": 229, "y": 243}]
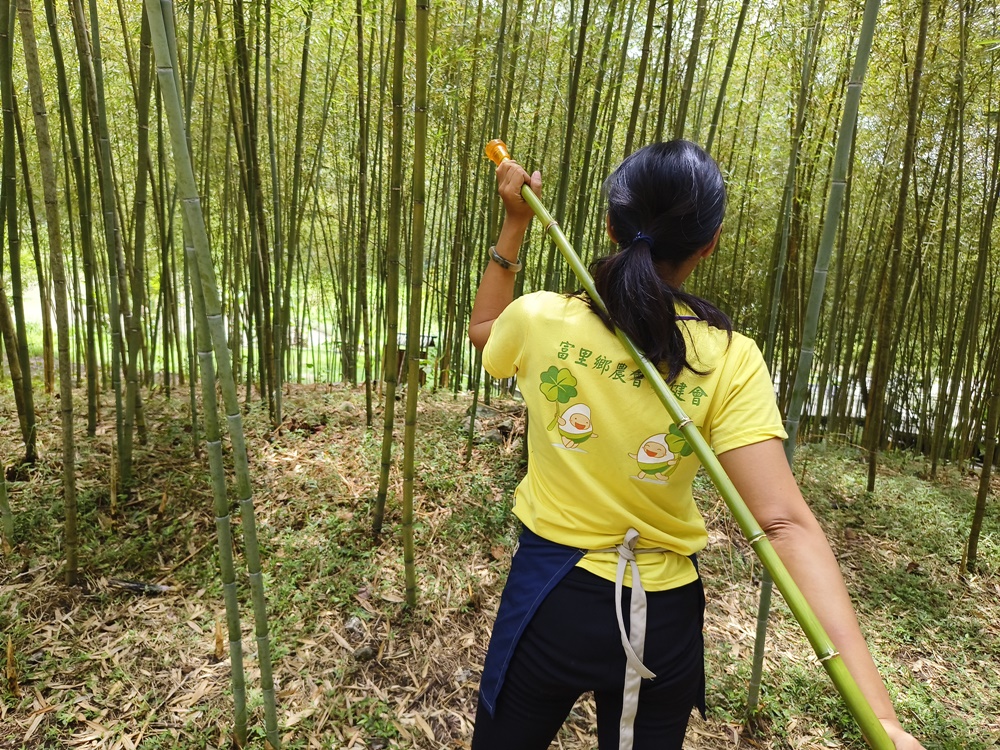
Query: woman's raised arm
[
  {"x": 762, "y": 476},
  {"x": 496, "y": 290}
]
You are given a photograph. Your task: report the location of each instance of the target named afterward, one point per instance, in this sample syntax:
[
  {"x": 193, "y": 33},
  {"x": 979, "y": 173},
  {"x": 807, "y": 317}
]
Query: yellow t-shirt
[{"x": 604, "y": 455}]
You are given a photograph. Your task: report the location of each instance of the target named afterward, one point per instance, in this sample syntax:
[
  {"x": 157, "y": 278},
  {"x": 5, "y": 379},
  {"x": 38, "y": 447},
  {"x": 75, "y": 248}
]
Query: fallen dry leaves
[{"x": 106, "y": 668}]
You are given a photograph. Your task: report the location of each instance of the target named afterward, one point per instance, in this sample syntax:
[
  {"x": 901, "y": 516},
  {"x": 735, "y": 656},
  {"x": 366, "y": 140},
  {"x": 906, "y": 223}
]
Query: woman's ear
[
  {"x": 710, "y": 247},
  {"x": 611, "y": 232}
]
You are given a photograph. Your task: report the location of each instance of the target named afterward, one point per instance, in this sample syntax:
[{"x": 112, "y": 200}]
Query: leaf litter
[{"x": 137, "y": 657}]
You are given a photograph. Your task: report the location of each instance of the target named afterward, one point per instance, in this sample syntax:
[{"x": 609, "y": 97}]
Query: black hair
[{"x": 665, "y": 203}]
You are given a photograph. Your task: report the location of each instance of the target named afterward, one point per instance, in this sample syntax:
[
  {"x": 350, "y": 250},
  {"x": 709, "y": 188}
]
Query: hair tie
[{"x": 641, "y": 237}]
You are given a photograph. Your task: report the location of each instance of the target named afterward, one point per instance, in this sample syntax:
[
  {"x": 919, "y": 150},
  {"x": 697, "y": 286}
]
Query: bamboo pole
[
  {"x": 721, "y": 98},
  {"x": 416, "y": 289},
  {"x": 390, "y": 364},
  {"x": 835, "y": 202},
  {"x": 279, "y": 324},
  {"x": 971, "y": 553},
  {"x": 44, "y": 285},
  {"x": 828, "y": 656},
  {"x": 83, "y": 209},
  {"x": 203, "y": 345},
  {"x": 886, "y": 326},
  {"x": 57, "y": 269},
  {"x": 26, "y": 415},
  {"x": 89, "y": 49},
  {"x": 211, "y": 338},
  {"x": 831, "y": 222}
]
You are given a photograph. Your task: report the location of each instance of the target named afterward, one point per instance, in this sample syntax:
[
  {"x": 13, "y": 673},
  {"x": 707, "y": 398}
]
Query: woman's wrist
[
  {"x": 514, "y": 265},
  {"x": 899, "y": 737},
  {"x": 511, "y": 238},
  {"x": 516, "y": 223}
]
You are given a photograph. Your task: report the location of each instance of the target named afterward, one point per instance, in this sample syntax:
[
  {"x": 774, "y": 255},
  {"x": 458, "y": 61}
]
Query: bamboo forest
[{"x": 257, "y": 487}]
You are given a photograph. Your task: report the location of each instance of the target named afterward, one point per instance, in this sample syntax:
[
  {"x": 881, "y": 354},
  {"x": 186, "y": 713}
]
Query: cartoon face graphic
[
  {"x": 575, "y": 426},
  {"x": 655, "y": 458},
  {"x": 653, "y": 449}
]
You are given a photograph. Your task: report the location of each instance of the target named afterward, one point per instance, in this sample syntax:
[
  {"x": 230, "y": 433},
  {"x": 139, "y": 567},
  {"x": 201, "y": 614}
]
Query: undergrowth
[{"x": 357, "y": 668}]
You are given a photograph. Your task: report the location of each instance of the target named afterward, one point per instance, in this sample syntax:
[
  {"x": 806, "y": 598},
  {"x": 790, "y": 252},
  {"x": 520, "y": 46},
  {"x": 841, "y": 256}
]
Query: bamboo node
[
  {"x": 757, "y": 537},
  {"x": 551, "y": 224},
  {"x": 684, "y": 423},
  {"x": 831, "y": 655}
]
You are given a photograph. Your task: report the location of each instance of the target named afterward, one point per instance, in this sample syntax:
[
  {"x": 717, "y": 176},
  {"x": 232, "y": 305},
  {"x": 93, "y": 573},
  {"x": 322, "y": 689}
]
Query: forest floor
[{"x": 101, "y": 666}]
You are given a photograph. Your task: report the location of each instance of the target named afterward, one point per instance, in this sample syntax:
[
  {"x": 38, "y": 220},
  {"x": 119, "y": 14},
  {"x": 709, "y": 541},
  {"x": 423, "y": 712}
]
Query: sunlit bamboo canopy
[{"x": 522, "y": 70}]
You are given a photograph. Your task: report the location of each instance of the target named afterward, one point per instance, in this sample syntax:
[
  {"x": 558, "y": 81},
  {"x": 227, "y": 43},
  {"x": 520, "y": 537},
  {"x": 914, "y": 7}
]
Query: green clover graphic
[
  {"x": 677, "y": 443},
  {"x": 558, "y": 386}
]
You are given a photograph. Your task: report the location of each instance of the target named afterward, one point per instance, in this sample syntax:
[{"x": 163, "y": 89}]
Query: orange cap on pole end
[{"x": 496, "y": 151}]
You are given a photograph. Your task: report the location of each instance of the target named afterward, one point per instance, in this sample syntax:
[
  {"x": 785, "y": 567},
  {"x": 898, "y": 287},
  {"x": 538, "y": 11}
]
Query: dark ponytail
[{"x": 665, "y": 203}]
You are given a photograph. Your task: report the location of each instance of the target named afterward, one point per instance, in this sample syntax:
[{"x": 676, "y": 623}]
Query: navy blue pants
[{"x": 573, "y": 646}]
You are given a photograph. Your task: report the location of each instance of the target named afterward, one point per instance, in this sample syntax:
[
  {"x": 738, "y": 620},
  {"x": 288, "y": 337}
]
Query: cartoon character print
[
  {"x": 659, "y": 455},
  {"x": 575, "y": 426}
]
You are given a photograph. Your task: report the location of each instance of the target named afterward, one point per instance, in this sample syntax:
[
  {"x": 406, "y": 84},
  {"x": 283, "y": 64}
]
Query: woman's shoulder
[
  {"x": 743, "y": 343},
  {"x": 713, "y": 346},
  {"x": 544, "y": 297},
  {"x": 546, "y": 303}
]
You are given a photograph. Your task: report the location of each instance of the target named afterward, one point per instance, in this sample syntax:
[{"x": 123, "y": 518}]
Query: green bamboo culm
[
  {"x": 759, "y": 646},
  {"x": 94, "y": 74},
  {"x": 779, "y": 257},
  {"x": 223, "y": 526},
  {"x": 477, "y": 368},
  {"x": 213, "y": 440},
  {"x": 211, "y": 338},
  {"x": 828, "y": 237},
  {"x": 390, "y": 366},
  {"x": 803, "y": 613},
  {"x": 29, "y": 46},
  {"x": 8, "y": 215},
  {"x": 831, "y": 222},
  {"x": 416, "y": 289},
  {"x": 134, "y": 330}
]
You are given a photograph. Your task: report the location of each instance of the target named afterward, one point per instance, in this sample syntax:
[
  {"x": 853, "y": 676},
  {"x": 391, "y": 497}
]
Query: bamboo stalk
[
  {"x": 26, "y": 412},
  {"x": 213, "y": 442},
  {"x": 212, "y": 339},
  {"x": 83, "y": 204},
  {"x": 835, "y": 202},
  {"x": 831, "y": 222},
  {"x": 50, "y": 192},
  {"x": 416, "y": 289},
  {"x": 759, "y": 641},
  {"x": 390, "y": 364},
  {"x": 828, "y": 656},
  {"x": 89, "y": 48}
]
